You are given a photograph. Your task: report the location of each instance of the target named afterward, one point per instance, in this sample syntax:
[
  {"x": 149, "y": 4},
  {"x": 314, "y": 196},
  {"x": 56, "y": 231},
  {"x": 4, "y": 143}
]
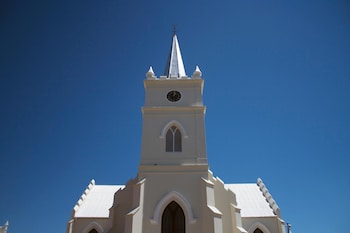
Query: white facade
[{"x": 174, "y": 192}]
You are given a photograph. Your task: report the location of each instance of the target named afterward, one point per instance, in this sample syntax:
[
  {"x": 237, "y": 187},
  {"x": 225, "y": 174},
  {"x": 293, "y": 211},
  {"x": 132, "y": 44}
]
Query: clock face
[{"x": 173, "y": 96}]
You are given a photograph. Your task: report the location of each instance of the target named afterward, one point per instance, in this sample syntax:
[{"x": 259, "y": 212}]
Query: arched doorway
[{"x": 173, "y": 219}]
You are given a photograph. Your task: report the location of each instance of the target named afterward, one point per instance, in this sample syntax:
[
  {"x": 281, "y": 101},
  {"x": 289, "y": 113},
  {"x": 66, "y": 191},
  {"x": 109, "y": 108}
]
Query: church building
[{"x": 174, "y": 191}]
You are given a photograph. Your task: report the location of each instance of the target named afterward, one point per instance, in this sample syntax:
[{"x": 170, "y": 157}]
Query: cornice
[{"x": 176, "y": 109}]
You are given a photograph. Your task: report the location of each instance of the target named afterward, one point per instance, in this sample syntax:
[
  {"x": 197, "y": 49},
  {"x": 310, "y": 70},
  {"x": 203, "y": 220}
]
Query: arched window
[
  {"x": 173, "y": 219},
  {"x": 93, "y": 231},
  {"x": 173, "y": 140},
  {"x": 257, "y": 230}
]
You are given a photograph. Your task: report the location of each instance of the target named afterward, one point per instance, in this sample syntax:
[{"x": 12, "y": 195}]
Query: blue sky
[{"x": 277, "y": 80}]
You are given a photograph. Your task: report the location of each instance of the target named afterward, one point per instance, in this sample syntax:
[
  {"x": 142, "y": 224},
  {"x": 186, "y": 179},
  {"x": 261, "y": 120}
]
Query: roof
[
  {"x": 175, "y": 66},
  {"x": 96, "y": 201},
  {"x": 250, "y": 200},
  {"x": 253, "y": 199}
]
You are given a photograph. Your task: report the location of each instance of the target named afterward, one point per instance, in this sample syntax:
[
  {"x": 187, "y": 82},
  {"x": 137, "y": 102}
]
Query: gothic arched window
[
  {"x": 173, "y": 140},
  {"x": 173, "y": 219},
  {"x": 93, "y": 231},
  {"x": 257, "y": 230}
]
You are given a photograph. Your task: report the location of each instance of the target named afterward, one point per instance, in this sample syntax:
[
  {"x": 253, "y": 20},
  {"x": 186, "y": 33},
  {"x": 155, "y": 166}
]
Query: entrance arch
[
  {"x": 166, "y": 200},
  {"x": 173, "y": 219}
]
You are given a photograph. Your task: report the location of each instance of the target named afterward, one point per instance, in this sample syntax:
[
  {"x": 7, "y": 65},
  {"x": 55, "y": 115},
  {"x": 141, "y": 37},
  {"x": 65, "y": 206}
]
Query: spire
[{"x": 175, "y": 66}]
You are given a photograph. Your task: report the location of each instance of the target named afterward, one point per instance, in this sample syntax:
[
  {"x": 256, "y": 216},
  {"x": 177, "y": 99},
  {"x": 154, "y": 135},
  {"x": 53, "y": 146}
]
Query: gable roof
[
  {"x": 250, "y": 200},
  {"x": 254, "y": 200},
  {"x": 95, "y": 201}
]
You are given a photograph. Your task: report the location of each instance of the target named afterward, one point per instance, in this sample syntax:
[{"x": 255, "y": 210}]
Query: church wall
[
  {"x": 84, "y": 225},
  {"x": 211, "y": 217},
  {"x": 191, "y": 92},
  {"x": 193, "y": 139},
  {"x": 187, "y": 114},
  {"x": 271, "y": 223},
  {"x": 158, "y": 186},
  {"x": 225, "y": 202},
  {"x": 123, "y": 204},
  {"x": 224, "y": 199}
]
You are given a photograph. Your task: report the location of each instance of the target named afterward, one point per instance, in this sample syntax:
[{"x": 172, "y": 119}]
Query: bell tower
[
  {"x": 173, "y": 131},
  {"x": 173, "y": 173}
]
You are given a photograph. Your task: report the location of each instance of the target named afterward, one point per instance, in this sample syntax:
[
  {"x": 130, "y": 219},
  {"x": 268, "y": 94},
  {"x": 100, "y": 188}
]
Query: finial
[
  {"x": 197, "y": 73},
  {"x": 150, "y": 73},
  {"x": 174, "y": 29},
  {"x": 150, "y": 70}
]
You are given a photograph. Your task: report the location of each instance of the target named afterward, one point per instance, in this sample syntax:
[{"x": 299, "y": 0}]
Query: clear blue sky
[{"x": 277, "y": 91}]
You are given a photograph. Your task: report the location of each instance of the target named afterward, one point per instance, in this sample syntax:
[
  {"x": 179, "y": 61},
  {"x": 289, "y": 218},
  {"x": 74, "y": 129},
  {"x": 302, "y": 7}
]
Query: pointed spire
[{"x": 175, "y": 66}]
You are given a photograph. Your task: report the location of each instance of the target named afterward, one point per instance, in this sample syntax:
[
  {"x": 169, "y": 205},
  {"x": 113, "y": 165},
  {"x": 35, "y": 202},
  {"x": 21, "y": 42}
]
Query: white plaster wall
[
  {"x": 159, "y": 185},
  {"x": 223, "y": 201},
  {"x": 188, "y": 112},
  {"x": 191, "y": 92},
  {"x": 273, "y": 224},
  {"x": 123, "y": 203},
  {"x": 193, "y": 143},
  {"x": 84, "y": 225}
]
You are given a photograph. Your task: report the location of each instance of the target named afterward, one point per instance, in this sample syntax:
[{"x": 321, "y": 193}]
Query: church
[{"x": 174, "y": 191}]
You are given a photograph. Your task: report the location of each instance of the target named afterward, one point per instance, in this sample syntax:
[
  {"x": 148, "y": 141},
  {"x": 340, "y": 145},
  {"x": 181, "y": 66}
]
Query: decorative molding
[
  {"x": 134, "y": 211},
  {"x": 93, "y": 225},
  {"x": 179, "y": 199},
  {"x": 197, "y": 74},
  {"x": 208, "y": 183},
  {"x": 179, "y": 109},
  {"x": 268, "y": 197},
  {"x": 82, "y": 197},
  {"x": 150, "y": 74},
  {"x": 259, "y": 225},
  {"x": 215, "y": 211},
  {"x": 173, "y": 123}
]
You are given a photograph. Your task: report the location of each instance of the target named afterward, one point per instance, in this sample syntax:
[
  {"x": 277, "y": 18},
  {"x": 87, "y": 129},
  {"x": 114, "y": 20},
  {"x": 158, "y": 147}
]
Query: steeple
[
  {"x": 173, "y": 132},
  {"x": 175, "y": 66}
]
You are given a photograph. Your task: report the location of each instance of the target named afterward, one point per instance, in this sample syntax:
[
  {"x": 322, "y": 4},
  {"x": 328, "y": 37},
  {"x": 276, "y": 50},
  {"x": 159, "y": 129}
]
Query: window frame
[{"x": 173, "y": 139}]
